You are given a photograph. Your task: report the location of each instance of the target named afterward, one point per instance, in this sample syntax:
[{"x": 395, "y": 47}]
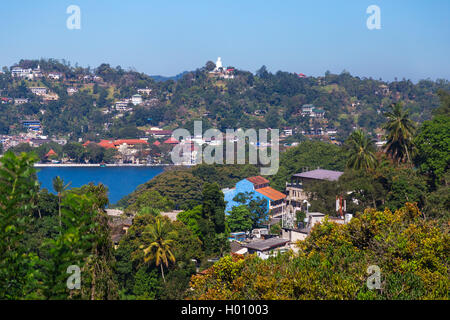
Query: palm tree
[
  {"x": 160, "y": 248},
  {"x": 59, "y": 187},
  {"x": 400, "y": 129},
  {"x": 361, "y": 151}
]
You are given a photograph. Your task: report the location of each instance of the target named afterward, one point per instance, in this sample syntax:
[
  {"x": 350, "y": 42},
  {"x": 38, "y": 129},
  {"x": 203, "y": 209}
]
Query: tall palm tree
[
  {"x": 400, "y": 129},
  {"x": 59, "y": 187},
  {"x": 361, "y": 151},
  {"x": 160, "y": 248}
]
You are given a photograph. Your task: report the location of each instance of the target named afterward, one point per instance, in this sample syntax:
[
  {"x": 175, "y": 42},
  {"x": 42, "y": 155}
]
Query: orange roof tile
[
  {"x": 107, "y": 144},
  {"x": 271, "y": 193},
  {"x": 171, "y": 140},
  {"x": 50, "y": 153}
]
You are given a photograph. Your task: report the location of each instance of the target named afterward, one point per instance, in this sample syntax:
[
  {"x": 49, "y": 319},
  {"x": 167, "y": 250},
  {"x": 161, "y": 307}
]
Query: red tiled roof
[
  {"x": 171, "y": 140},
  {"x": 271, "y": 193},
  {"x": 50, "y": 153},
  {"x": 156, "y": 143},
  {"x": 107, "y": 144},
  {"x": 258, "y": 180}
]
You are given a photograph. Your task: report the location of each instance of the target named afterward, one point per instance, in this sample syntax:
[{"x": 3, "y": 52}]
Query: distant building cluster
[{"x": 28, "y": 73}]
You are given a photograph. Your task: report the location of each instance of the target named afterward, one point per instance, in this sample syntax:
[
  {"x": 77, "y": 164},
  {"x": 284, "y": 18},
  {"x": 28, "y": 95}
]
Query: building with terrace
[{"x": 296, "y": 194}]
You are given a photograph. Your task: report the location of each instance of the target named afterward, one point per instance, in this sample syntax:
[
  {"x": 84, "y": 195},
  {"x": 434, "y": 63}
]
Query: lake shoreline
[{"x": 120, "y": 180}]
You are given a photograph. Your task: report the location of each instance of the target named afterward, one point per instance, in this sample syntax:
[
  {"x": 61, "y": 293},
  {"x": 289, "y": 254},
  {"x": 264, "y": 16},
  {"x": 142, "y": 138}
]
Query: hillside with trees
[{"x": 260, "y": 100}]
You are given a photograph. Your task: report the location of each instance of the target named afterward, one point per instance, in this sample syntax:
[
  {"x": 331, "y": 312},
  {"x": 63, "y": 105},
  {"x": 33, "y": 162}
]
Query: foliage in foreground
[
  {"x": 332, "y": 263},
  {"x": 36, "y": 247}
]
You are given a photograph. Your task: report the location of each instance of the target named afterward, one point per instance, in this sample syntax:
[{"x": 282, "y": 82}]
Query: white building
[
  {"x": 136, "y": 99},
  {"x": 145, "y": 91},
  {"x": 54, "y": 75},
  {"x": 122, "y": 105},
  {"x": 39, "y": 91},
  {"x": 72, "y": 91},
  {"x": 18, "y": 72},
  {"x": 30, "y": 74},
  {"x": 20, "y": 100}
]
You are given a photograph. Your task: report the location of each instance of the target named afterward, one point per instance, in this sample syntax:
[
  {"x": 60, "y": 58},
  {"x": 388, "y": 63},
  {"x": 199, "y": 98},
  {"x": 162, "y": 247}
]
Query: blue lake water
[{"x": 120, "y": 181}]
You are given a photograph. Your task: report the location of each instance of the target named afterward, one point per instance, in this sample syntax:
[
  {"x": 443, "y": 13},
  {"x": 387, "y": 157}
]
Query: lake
[{"x": 120, "y": 181}]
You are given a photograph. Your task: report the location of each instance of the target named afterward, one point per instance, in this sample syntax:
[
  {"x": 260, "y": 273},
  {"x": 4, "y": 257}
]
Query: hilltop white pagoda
[{"x": 221, "y": 72}]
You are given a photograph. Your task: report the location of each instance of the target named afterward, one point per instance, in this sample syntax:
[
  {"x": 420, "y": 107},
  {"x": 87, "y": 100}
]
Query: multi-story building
[
  {"x": 18, "y": 72},
  {"x": 136, "y": 99},
  {"x": 145, "y": 91},
  {"x": 123, "y": 105},
  {"x": 296, "y": 194},
  {"x": 311, "y": 111},
  {"x": 34, "y": 125},
  {"x": 39, "y": 91},
  {"x": 20, "y": 100}
]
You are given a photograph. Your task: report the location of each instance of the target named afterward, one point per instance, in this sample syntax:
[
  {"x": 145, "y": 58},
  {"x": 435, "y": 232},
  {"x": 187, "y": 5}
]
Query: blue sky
[{"x": 171, "y": 36}]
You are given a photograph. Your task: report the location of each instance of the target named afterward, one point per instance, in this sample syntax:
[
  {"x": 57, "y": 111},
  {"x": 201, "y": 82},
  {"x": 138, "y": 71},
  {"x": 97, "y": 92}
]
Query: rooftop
[
  {"x": 320, "y": 174},
  {"x": 265, "y": 245},
  {"x": 258, "y": 180},
  {"x": 271, "y": 193}
]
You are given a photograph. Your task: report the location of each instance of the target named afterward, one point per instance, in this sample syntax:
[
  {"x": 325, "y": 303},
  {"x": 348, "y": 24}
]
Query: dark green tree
[
  {"x": 361, "y": 151},
  {"x": 400, "y": 132},
  {"x": 212, "y": 224},
  {"x": 239, "y": 219}
]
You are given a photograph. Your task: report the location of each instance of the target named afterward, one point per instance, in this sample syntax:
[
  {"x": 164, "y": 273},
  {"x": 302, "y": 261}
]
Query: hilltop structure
[{"x": 221, "y": 72}]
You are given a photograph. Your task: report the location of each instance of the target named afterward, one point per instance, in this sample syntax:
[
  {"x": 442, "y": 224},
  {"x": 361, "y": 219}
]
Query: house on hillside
[
  {"x": 19, "y": 101},
  {"x": 136, "y": 99},
  {"x": 122, "y": 105},
  {"x": 39, "y": 91},
  {"x": 309, "y": 110},
  {"x": 71, "y": 91},
  {"x": 268, "y": 247},
  {"x": 18, "y": 72},
  {"x": 54, "y": 75},
  {"x": 145, "y": 91},
  {"x": 301, "y": 231},
  {"x": 258, "y": 187},
  {"x": 32, "y": 125},
  {"x": 296, "y": 195}
]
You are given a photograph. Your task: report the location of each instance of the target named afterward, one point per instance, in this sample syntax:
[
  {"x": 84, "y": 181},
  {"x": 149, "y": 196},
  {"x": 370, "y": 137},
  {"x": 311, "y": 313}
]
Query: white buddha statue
[{"x": 218, "y": 64}]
